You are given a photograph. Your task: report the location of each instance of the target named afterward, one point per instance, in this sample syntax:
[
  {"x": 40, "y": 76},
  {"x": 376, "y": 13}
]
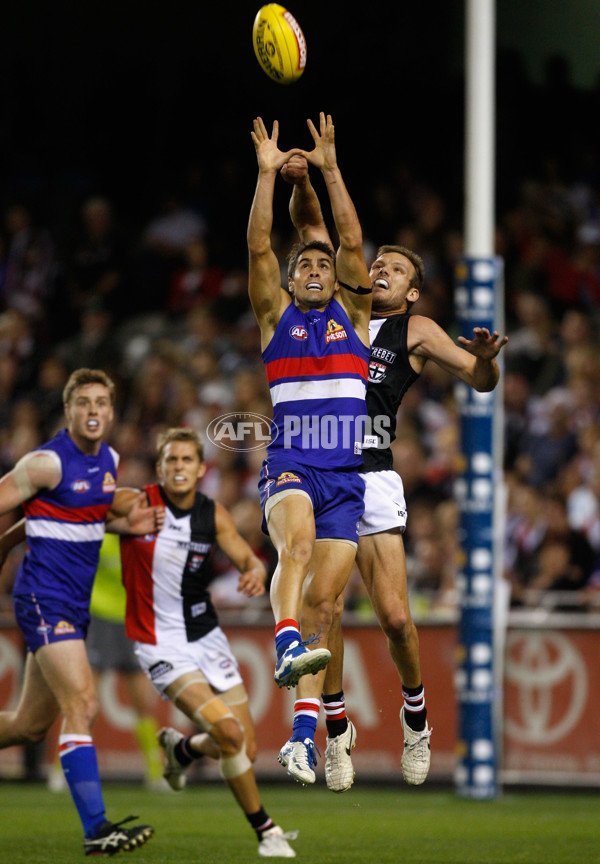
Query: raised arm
[
  {"x": 305, "y": 209},
  {"x": 352, "y": 271},
  {"x": 475, "y": 363},
  {"x": 267, "y": 297},
  {"x": 230, "y": 541}
]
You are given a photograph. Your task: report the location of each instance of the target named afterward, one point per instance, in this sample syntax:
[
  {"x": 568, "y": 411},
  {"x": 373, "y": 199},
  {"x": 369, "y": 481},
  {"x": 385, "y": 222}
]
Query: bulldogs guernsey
[
  {"x": 317, "y": 369},
  {"x": 65, "y": 526},
  {"x": 390, "y": 376},
  {"x": 166, "y": 575}
]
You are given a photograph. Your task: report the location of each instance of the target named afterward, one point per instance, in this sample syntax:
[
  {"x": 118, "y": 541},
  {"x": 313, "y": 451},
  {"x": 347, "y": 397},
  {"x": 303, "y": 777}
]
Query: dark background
[{"x": 132, "y": 100}]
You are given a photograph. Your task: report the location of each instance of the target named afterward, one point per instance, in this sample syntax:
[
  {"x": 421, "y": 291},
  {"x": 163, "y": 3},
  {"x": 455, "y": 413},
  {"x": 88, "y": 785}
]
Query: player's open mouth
[
  {"x": 179, "y": 478},
  {"x": 382, "y": 283},
  {"x": 314, "y": 286},
  {"x": 92, "y": 425}
]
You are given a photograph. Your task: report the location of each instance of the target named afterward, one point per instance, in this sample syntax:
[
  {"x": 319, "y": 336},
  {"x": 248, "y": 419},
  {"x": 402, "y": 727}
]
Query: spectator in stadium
[
  {"x": 396, "y": 276},
  {"x": 196, "y": 281},
  {"x": 31, "y": 265},
  {"x": 553, "y": 558},
  {"x": 179, "y": 643},
  {"x": 95, "y": 266},
  {"x": 67, "y": 489}
]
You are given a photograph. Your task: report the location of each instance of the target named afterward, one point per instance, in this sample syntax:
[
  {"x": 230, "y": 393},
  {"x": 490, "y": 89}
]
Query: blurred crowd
[{"x": 163, "y": 308}]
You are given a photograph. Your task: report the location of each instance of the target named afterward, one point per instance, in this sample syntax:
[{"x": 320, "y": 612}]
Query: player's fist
[{"x": 295, "y": 169}]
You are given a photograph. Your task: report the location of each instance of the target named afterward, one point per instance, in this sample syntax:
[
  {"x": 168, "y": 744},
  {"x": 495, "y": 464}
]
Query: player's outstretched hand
[
  {"x": 324, "y": 155},
  {"x": 268, "y": 154},
  {"x": 484, "y": 344}
]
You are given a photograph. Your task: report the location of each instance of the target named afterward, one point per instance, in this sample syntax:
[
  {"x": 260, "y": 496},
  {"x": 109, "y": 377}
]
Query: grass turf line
[{"x": 366, "y": 826}]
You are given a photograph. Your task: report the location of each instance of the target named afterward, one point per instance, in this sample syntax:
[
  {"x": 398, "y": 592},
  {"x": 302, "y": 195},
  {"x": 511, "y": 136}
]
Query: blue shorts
[
  {"x": 338, "y": 497},
  {"x": 46, "y": 620}
]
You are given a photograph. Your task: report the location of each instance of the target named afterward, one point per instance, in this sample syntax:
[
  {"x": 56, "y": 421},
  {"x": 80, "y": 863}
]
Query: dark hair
[
  {"x": 297, "y": 250},
  {"x": 81, "y": 377},
  {"x": 419, "y": 278},
  {"x": 180, "y": 433}
]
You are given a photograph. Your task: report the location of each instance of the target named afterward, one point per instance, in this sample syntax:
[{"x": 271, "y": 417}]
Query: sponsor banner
[{"x": 551, "y": 706}]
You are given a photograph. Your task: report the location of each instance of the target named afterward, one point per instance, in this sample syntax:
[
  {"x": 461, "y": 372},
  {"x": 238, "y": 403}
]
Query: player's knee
[
  {"x": 235, "y": 765},
  {"x": 398, "y": 625},
  {"x": 83, "y": 708},
  {"x": 338, "y": 611},
  {"x": 229, "y": 736},
  {"x": 35, "y": 732},
  {"x": 297, "y": 552},
  {"x": 319, "y": 608},
  {"x": 92, "y": 709}
]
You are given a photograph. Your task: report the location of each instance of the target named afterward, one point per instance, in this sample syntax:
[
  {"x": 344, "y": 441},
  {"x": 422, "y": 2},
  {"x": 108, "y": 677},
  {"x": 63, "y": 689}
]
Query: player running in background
[
  {"x": 314, "y": 340},
  {"x": 67, "y": 490},
  {"x": 179, "y": 643},
  {"x": 109, "y": 650},
  {"x": 401, "y": 345}
]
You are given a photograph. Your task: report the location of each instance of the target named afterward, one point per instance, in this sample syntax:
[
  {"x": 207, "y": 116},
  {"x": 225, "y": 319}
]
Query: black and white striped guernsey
[{"x": 390, "y": 376}]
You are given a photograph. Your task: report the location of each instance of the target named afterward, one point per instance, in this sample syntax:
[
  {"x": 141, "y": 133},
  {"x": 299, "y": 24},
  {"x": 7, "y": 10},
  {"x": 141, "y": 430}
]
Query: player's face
[
  {"x": 391, "y": 275},
  {"x": 180, "y": 469},
  {"x": 314, "y": 283},
  {"x": 89, "y": 413}
]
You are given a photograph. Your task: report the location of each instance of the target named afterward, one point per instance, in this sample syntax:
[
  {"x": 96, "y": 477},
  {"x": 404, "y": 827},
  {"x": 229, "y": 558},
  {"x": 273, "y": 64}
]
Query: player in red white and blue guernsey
[
  {"x": 178, "y": 641},
  {"x": 315, "y": 346},
  {"x": 67, "y": 489}
]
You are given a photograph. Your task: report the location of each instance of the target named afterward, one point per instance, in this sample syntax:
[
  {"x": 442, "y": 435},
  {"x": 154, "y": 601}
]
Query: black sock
[
  {"x": 185, "y": 753},
  {"x": 334, "y": 706},
  {"x": 415, "y": 712},
  {"x": 260, "y": 821}
]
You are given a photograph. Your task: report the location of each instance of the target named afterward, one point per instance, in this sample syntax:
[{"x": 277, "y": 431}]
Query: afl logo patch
[
  {"x": 298, "y": 332},
  {"x": 80, "y": 485}
]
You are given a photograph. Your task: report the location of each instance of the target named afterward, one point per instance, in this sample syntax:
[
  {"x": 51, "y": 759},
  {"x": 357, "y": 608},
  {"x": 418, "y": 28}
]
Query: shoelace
[
  {"x": 419, "y": 745},
  {"x": 312, "y": 758},
  {"x": 337, "y": 753},
  {"x": 312, "y": 639},
  {"x": 124, "y": 821},
  {"x": 284, "y": 835}
]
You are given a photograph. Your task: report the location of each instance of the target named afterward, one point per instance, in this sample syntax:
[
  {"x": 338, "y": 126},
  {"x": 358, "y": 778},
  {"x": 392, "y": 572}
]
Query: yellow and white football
[{"x": 279, "y": 43}]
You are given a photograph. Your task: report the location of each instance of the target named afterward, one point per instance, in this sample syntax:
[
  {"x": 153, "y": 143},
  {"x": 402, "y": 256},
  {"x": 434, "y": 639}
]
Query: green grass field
[{"x": 202, "y": 825}]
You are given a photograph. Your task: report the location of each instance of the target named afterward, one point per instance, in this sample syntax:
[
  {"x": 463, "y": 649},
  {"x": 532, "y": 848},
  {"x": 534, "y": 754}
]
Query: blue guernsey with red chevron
[
  {"x": 317, "y": 369},
  {"x": 65, "y": 526}
]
